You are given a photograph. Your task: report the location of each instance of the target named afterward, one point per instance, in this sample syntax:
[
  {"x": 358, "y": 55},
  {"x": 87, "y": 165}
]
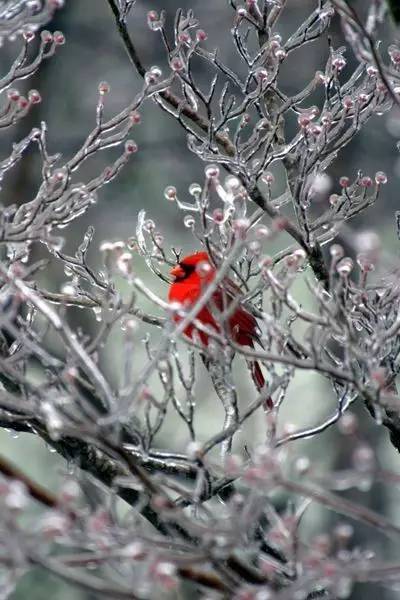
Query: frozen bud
[
  {"x": 170, "y": 193},
  {"x": 362, "y": 98},
  {"x": 211, "y": 171},
  {"x": 218, "y": 216},
  {"x": 16, "y": 497},
  {"x": 152, "y": 76},
  {"x": 394, "y": 53},
  {"x": 319, "y": 78},
  {"x": 135, "y": 117},
  {"x": 152, "y": 16},
  {"x": 203, "y": 269},
  {"x": 201, "y": 35},
  {"x": 104, "y": 88},
  {"x": 240, "y": 227},
  {"x": 125, "y": 263},
  {"x": 189, "y": 221},
  {"x": 316, "y": 130},
  {"x": 343, "y": 533},
  {"x": 23, "y": 102},
  {"x": 59, "y": 38},
  {"x": 46, "y": 36},
  {"x": 149, "y": 225},
  {"x": 365, "y": 263},
  {"x": 322, "y": 183},
  {"x": 338, "y": 63},
  {"x": 184, "y": 37},
  {"x": 241, "y": 12},
  {"x": 365, "y": 182},
  {"x": 268, "y": 178},
  {"x": 262, "y": 232},
  {"x": 261, "y": 74},
  {"x": 348, "y": 424},
  {"x": 336, "y": 251},
  {"x": 59, "y": 175},
  {"x": 69, "y": 492},
  {"x": 326, "y": 119},
  {"x": 176, "y": 64},
  {"x": 232, "y": 183},
  {"x": 131, "y": 147},
  {"x": 304, "y": 121},
  {"x": 34, "y": 97},
  {"x": 345, "y": 266},
  {"x": 380, "y": 178},
  {"x": 279, "y": 223},
  {"x": 28, "y": 36},
  {"x": 372, "y": 71},
  {"x": 56, "y": 3},
  {"x": 13, "y": 94},
  {"x": 106, "y": 247},
  {"x": 194, "y": 189},
  {"x": 348, "y": 103},
  {"x": 344, "y": 182},
  {"x": 363, "y": 458},
  {"x": 194, "y": 450},
  {"x": 303, "y": 465},
  {"x": 280, "y": 54}
]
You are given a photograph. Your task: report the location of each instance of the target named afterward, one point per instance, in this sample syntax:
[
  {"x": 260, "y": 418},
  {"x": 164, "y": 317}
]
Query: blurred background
[{"x": 68, "y": 84}]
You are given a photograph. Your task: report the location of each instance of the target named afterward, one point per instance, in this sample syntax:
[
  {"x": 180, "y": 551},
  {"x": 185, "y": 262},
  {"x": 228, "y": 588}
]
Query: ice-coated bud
[
  {"x": 195, "y": 189},
  {"x": 344, "y": 182},
  {"x": 261, "y": 74},
  {"x": 165, "y": 575},
  {"x": 13, "y": 94},
  {"x": 23, "y": 102},
  {"x": 380, "y": 178},
  {"x": 170, "y": 193},
  {"x": 54, "y": 525},
  {"x": 69, "y": 492},
  {"x": 365, "y": 182},
  {"x": 104, "y": 88},
  {"x": 372, "y": 71},
  {"x": 153, "y": 75},
  {"x": 362, "y": 98},
  {"x": 134, "y": 550},
  {"x": 152, "y": 16},
  {"x": 348, "y": 102},
  {"x": 334, "y": 200},
  {"x": 125, "y": 263},
  {"x": 201, "y": 35},
  {"x": 345, "y": 266},
  {"x": 211, "y": 171},
  {"x": 241, "y": 12},
  {"x": 232, "y": 183},
  {"x": 319, "y": 78},
  {"x": 338, "y": 63},
  {"x": 262, "y": 232},
  {"x": 184, "y": 37},
  {"x": 106, "y": 247},
  {"x": 218, "y": 215},
  {"x": 189, "y": 221},
  {"x": 16, "y": 497},
  {"x": 131, "y": 147},
  {"x": 56, "y": 3},
  {"x": 135, "y": 117},
  {"x": 304, "y": 121},
  {"x": 28, "y": 35},
  {"x": 365, "y": 263},
  {"x": 177, "y": 64},
  {"x": 34, "y": 97},
  {"x": 149, "y": 225},
  {"x": 303, "y": 465},
  {"x": 280, "y": 54},
  {"x": 46, "y": 36},
  {"x": 194, "y": 450},
  {"x": 59, "y": 38},
  {"x": 268, "y": 178},
  {"x": 394, "y": 53},
  {"x": 240, "y": 227}
]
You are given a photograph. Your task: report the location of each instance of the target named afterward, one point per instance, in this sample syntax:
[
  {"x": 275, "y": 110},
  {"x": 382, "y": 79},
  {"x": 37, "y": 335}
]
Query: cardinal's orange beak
[{"x": 177, "y": 272}]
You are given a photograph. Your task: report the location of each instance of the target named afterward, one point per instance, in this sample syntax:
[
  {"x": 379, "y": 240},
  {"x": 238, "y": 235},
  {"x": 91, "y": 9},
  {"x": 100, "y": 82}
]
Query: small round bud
[
  {"x": 13, "y": 94},
  {"x": 365, "y": 263},
  {"x": 195, "y": 189},
  {"x": 201, "y": 35},
  {"x": 380, "y": 178},
  {"x": 280, "y": 54},
  {"x": 152, "y": 16},
  {"x": 28, "y": 36},
  {"x": 189, "y": 221},
  {"x": 343, "y": 533},
  {"x": 184, "y": 37},
  {"x": 344, "y": 182},
  {"x": 336, "y": 251},
  {"x": 240, "y": 227},
  {"x": 131, "y": 147},
  {"x": 334, "y": 200},
  {"x": 268, "y": 178},
  {"x": 211, "y": 171},
  {"x": 135, "y": 117},
  {"x": 170, "y": 193},
  {"x": 345, "y": 266},
  {"x": 262, "y": 232},
  {"x": 46, "y": 36},
  {"x": 177, "y": 64},
  {"x": 365, "y": 182},
  {"x": 34, "y": 97},
  {"x": 348, "y": 103},
  {"x": 23, "y": 102},
  {"x": 149, "y": 225},
  {"x": 104, "y": 88},
  {"x": 241, "y": 12},
  {"x": 348, "y": 424},
  {"x": 232, "y": 183},
  {"x": 261, "y": 74},
  {"x": 338, "y": 63},
  {"x": 218, "y": 215},
  {"x": 59, "y": 38}
]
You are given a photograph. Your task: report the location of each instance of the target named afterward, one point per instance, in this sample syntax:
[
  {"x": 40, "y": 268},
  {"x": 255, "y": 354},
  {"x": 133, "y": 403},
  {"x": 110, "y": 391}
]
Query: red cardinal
[{"x": 190, "y": 279}]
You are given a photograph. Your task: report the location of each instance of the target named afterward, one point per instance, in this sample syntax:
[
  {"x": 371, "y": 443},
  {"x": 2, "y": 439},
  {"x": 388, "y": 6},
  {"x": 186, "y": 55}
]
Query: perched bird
[{"x": 192, "y": 275}]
